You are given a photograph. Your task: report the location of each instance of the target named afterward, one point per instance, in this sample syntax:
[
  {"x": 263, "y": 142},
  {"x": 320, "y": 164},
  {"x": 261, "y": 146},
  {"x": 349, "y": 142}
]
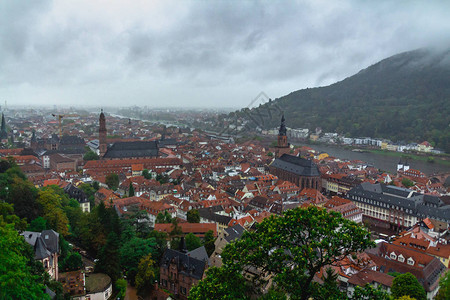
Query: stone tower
[{"x": 102, "y": 134}]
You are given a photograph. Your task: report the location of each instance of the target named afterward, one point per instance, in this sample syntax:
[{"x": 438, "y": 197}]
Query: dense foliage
[
  {"x": 193, "y": 216},
  {"x": 289, "y": 250},
  {"x": 90, "y": 155},
  {"x": 408, "y": 285},
  {"x": 444, "y": 287},
  {"x": 402, "y": 98},
  {"x": 112, "y": 181},
  {"x": 17, "y": 280},
  {"x": 119, "y": 244}
]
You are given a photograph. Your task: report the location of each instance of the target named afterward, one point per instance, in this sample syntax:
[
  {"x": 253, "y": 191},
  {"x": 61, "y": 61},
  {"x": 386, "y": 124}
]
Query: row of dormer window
[{"x": 401, "y": 258}]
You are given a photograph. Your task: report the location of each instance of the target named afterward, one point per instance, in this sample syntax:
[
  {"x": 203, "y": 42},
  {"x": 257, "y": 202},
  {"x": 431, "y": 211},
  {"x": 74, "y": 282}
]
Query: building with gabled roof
[
  {"x": 180, "y": 271},
  {"x": 225, "y": 237},
  {"x": 302, "y": 172},
  {"x": 396, "y": 258},
  {"x": 46, "y": 249}
]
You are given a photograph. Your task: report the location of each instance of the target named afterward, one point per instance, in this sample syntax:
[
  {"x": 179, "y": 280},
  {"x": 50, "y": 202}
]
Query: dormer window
[
  {"x": 393, "y": 255},
  {"x": 410, "y": 261},
  {"x": 401, "y": 258}
]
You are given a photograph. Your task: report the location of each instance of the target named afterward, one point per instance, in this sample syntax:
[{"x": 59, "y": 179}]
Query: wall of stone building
[
  {"x": 439, "y": 225},
  {"x": 301, "y": 181},
  {"x": 63, "y": 165},
  {"x": 177, "y": 283}
]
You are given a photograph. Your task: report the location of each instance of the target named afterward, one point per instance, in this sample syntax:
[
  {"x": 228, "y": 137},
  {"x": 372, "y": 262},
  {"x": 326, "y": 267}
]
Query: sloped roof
[
  {"x": 234, "y": 232},
  {"x": 186, "y": 265},
  {"x": 296, "y": 165},
  {"x": 40, "y": 249},
  {"x": 199, "y": 253},
  {"x": 132, "y": 149}
]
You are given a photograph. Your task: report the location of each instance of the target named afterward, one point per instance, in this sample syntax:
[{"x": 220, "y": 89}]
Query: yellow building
[
  {"x": 322, "y": 156},
  {"x": 313, "y": 137}
]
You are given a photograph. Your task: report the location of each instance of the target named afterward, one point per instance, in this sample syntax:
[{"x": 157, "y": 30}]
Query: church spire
[
  {"x": 3, "y": 133},
  {"x": 282, "y": 131},
  {"x": 102, "y": 134},
  {"x": 282, "y": 138}
]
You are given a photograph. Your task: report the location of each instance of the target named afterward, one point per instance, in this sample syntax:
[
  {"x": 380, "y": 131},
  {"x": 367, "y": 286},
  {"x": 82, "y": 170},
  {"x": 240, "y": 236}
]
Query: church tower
[
  {"x": 102, "y": 134},
  {"x": 3, "y": 132},
  {"x": 282, "y": 138}
]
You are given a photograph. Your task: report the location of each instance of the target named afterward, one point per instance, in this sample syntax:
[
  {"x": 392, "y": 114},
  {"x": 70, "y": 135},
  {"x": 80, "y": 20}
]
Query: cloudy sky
[{"x": 199, "y": 53}]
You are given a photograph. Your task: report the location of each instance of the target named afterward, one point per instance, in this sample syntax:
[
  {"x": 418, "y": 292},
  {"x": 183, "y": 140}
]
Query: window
[
  {"x": 410, "y": 261},
  {"x": 393, "y": 255},
  {"x": 401, "y": 258}
]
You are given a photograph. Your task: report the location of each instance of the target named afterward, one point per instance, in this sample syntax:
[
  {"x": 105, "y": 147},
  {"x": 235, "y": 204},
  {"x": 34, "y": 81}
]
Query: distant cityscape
[{"x": 173, "y": 171}]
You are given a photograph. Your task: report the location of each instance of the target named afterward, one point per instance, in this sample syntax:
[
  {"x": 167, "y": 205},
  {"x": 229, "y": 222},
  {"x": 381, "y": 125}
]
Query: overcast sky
[{"x": 199, "y": 53}]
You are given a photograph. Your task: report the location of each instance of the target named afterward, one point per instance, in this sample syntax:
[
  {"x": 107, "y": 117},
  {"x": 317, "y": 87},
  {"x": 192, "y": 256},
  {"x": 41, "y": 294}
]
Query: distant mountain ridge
[{"x": 405, "y": 97}]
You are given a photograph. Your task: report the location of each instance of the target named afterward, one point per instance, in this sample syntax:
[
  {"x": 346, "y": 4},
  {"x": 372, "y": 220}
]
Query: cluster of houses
[
  {"x": 234, "y": 186},
  {"x": 335, "y": 138}
]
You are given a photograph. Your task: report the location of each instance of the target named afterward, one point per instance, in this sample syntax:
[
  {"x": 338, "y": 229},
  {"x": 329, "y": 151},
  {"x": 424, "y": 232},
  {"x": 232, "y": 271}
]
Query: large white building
[{"x": 399, "y": 207}]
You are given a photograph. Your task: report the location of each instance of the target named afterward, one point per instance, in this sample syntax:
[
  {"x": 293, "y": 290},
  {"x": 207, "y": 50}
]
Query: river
[{"x": 380, "y": 161}]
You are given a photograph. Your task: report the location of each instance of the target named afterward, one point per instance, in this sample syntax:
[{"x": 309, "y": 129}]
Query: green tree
[
  {"x": 329, "y": 289},
  {"x": 17, "y": 280},
  {"x": 90, "y": 155},
  {"x": 407, "y": 182},
  {"x": 7, "y": 212},
  {"x": 23, "y": 195},
  {"x": 72, "y": 262},
  {"x": 96, "y": 185},
  {"x": 131, "y": 190},
  {"x": 192, "y": 241},
  {"x": 369, "y": 292},
  {"x": 444, "y": 287},
  {"x": 131, "y": 253},
  {"x": 140, "y": 222},
  {"x": 269, "y": 154},
  {"x": 38, "y": 225},
  {"x": 193, "y": 216},
  {"x": 163, "y": 218},
  {"x": 209, "y": 242},
  {"x": 109, "y": 258},
  {"x": 161, "y": 242},
  {"x": 121, "y": 286},
  {"x": 112, "y": 181},
  {"x": 90, "y": 193},
  {"x": 408, "y": 285},
  {"x": 146, "y": 274},
  {"x": 53, "y": 212},
  {"x": 146, "y": 174},
  {"x": 220, "y": 283},
  {"x": 292, "y": 248},
  {"x": 162, "y": 178}
]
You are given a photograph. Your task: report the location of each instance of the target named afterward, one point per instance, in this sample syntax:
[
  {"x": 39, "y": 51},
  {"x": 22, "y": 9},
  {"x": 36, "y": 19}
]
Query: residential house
[
  {"x": 46, "y": 249},
  {"x": 225, "y": 237},
  {"x": 397, "y": 258},
  {"x": 179, "y": 272}
]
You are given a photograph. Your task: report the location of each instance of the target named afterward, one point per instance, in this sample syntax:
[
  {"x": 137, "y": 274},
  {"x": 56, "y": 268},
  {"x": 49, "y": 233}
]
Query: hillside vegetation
[{"x": 405, "y": 97}]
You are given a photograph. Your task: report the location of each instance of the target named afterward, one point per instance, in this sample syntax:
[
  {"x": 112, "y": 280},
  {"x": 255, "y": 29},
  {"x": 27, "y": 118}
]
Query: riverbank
[{"x": 431, "y": 159}]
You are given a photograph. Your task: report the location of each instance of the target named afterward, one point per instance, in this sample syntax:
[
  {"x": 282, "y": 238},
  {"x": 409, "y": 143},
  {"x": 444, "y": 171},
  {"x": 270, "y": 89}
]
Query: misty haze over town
[{"x": 198, "y": 150}]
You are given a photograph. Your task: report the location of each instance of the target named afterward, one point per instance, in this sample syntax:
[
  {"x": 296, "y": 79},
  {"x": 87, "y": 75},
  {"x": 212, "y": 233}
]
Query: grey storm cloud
[{"x": 199, "y": 53}]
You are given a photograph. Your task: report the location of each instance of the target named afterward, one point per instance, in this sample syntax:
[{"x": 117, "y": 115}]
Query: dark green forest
[{"x": 405, "y": 97}]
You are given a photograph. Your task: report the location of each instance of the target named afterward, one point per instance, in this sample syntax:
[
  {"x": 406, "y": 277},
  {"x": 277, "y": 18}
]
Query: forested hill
[{"x": 405, "y": 97}]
